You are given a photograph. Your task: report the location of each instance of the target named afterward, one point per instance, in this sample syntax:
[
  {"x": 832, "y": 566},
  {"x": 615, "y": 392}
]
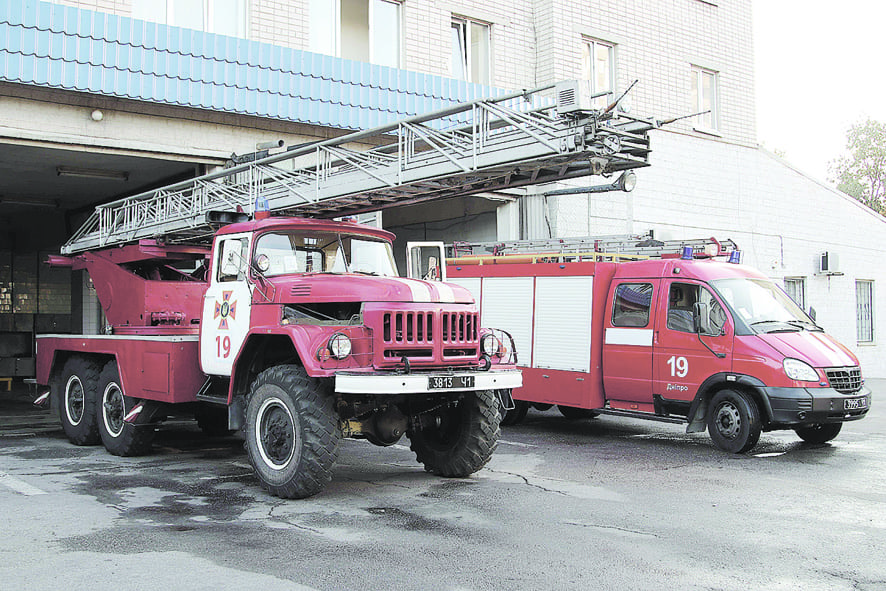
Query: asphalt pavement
[{"x": 605, "y": 503}]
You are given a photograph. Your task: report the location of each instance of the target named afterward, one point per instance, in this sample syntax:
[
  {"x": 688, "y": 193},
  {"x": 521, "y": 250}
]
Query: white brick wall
[{"x": 780, "y": 219}]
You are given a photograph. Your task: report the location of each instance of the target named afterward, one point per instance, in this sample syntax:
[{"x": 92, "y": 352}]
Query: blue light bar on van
[
  {"x": 735, "y": 257},
  {"x": 687, "y": 253}
]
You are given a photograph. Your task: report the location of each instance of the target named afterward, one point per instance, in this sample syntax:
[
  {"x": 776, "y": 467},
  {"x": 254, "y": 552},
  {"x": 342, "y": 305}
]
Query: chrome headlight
[
  {"x": 339, "y": 345},
  {"x": 490, "y": 345},
  {"x": 800, "y": 370}
]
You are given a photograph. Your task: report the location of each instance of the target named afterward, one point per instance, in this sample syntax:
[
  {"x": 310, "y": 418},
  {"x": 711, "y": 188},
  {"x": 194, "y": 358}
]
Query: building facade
[{"x": 163, "y": 90}]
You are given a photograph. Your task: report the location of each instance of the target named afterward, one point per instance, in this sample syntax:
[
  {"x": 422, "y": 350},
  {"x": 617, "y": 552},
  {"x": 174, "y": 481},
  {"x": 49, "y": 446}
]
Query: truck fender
[
  {"x": 260, "y": 350},
  {"x": 699, "y": 408}
]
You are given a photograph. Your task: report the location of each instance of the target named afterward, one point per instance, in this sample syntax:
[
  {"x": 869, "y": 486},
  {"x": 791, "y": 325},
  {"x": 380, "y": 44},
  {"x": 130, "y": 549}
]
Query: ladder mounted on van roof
[
  {"x": 588, "y": 248},
  {"x": 523, "y": 138}
]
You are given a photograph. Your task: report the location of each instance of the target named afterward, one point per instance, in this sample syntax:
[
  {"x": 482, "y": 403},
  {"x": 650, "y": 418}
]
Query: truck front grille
[
  {"x": 408, "y": 328},
  {"x": 845, "y": 380},
  {"x": 459, "y": 327}
]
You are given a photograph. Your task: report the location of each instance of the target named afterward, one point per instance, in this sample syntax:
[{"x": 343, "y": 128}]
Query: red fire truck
[
  {"x": 664, "y": 331},
  {"x": 299, "y": 331}
]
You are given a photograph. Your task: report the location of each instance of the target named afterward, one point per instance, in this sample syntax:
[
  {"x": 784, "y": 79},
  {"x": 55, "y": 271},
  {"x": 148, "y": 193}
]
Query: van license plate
[
  {"x": 450, "y": 382},
  {"x": 855, "y": 403}
]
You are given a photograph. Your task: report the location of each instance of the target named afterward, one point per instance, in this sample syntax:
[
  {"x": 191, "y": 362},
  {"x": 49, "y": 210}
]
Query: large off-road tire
[
  {"x": 213, "y": 420},
  {"x": 573, "y": 413},
  {"x": 119, "y": 437},
  {"x": 78, "y": 400},
  {"x": 460, "y": 438},
  {"x": 516, "y": 414},
  {"x": 821, "y": 433},
  {"x": 734, "y": 421},
  {"x": 292, "y": 432}
]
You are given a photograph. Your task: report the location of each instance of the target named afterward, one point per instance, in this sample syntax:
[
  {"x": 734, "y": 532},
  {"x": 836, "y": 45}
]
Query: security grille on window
[
  {"x": 363, "y": 30},
  {"x": 864, "y": 311},
  {"x": 705, "y": 94},
  {"x": 598, "y": 66},
  {"x": 223, "y": 17},
  {"x": 470, "y": 51},
  {"x": 795, "y": 287}
]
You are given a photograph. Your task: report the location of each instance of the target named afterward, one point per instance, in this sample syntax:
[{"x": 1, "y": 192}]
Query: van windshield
[
  {"x": 284, "y": 253},
  {"x": 763, "y": 306}
]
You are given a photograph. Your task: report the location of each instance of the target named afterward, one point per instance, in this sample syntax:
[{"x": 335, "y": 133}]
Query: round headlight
[
  {"x": 490, "y": 345},
  {"x": 339, "y": 345},
  {"x": 799, "y": 370}
]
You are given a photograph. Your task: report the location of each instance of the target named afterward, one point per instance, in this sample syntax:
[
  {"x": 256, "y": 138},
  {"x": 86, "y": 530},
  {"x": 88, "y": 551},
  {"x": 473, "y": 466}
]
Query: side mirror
[{"x": 701, "y": 318}]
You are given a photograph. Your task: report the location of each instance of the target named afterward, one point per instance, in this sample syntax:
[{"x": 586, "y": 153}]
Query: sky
[{"x": 820, "y": 67}]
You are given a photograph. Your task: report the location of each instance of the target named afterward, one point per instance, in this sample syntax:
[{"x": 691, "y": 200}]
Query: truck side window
[
  {"x": 631, "y": 304},
  {"x": 232, "y": 260},
  {"x": 681, "y": 303}
]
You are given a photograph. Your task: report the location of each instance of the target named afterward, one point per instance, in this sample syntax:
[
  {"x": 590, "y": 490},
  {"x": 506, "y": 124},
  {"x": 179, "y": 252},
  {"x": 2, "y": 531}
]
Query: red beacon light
[{"x": 262, "y": 209}]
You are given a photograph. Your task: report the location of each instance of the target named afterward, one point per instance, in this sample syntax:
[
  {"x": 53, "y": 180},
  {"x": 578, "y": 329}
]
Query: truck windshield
[
  {"x": 284, "y": 253},
  {"x": 763, "y": 306}
]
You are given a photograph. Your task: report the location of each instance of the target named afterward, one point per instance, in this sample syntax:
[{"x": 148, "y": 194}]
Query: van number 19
[{"x": 679, "y": 366}]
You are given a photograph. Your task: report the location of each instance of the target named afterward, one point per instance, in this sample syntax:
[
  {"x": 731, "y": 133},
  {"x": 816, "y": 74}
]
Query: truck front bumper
[
  {"x": 433, "y": 382},
  {"x": 805, "y": 406}
]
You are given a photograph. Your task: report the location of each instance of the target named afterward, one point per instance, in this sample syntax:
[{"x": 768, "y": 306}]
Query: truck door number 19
[
  {"x": 223, "y": 345},
  {"x": 679, "y": 366}
]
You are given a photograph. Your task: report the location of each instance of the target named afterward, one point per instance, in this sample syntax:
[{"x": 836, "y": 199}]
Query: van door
[
  {"x": 627, "y": 343},
  {"x": 684, "y": 359}
]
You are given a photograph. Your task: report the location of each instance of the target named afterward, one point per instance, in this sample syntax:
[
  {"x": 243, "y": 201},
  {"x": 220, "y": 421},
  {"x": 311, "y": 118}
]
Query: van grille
[{"x": 845, "y": 380}]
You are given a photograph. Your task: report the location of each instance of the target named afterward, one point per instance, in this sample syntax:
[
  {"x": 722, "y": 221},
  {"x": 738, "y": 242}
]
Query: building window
[
  {"x": 362, "y": 30},
  {"x": 864, "y": 311},
  {"x": 470, "y": 51},
  {"x": 598, "y": 66},
  {"x": 795, "y": 287},
  {"x": 224, "y": 17},
  {"x": 705, "y": 96}
]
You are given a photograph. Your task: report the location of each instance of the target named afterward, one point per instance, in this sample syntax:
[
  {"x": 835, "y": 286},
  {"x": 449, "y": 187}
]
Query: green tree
[{"x": 861, "y": 173}]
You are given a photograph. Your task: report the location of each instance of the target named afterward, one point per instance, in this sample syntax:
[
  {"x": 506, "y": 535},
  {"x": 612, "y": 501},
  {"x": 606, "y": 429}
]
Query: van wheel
[
  {"x": 78, "y": 400},
  {"x": 573, "y": 414},
  {"x": 292, "y": 433},
  {"x": 458, "y": 439},
  {"x": 734, "y": 421},
  {"x": 516, "y": 414},
  {"x": 820, "y": 433},
  {"x": 119, "y": 437}
]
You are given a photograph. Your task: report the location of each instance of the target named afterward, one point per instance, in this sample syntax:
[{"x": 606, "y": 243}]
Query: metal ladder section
[
  {"x": 485, "y": 145},
  {"x": 590, "y": 248}
]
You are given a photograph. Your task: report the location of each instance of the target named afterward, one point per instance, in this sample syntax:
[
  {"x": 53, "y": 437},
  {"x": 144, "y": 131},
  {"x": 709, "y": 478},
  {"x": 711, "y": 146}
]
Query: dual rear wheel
[{"x": 93, "y": 406}]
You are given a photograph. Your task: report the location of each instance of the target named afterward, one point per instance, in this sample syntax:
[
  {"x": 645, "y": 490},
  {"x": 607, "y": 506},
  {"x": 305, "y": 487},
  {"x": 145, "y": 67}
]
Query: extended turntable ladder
[{"x": 485, "y": 145}]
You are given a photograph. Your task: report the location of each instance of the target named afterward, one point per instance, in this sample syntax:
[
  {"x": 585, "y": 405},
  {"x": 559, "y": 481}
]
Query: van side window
[
  {"x": 630, "y": 306},
  {"x": 682, "y": 298},
  {"x": 232, "y": 259}
]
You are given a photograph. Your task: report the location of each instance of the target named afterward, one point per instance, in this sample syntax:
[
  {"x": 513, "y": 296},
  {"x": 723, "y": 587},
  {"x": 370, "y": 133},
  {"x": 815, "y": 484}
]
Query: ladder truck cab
[
  {"x": 298, "y": 330},
  {"x": 668, "y": 331}
]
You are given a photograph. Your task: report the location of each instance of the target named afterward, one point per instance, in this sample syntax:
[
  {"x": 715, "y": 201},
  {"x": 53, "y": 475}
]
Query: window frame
[
  {"x": 589, "y": 45},
  {"x": 208, "y": 10},
  {"x": 867, "y": 318},
  {"x": 798, "y": 282},
  {"x": 616, "y": 318},
  {"x": 698, "y": 74},
  {"x": 337, "y": 31},
  {"x": 466, "y": 55}
]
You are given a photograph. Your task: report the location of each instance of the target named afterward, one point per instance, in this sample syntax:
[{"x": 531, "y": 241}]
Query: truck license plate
[
  {"x": 450, "y": 382},
  {"x": 855, "y": 403}
]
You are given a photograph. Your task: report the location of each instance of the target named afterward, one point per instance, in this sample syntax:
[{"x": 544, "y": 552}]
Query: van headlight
[
  {"x": 799, "y": 370},
  {"x": 339, "y": 345}
]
